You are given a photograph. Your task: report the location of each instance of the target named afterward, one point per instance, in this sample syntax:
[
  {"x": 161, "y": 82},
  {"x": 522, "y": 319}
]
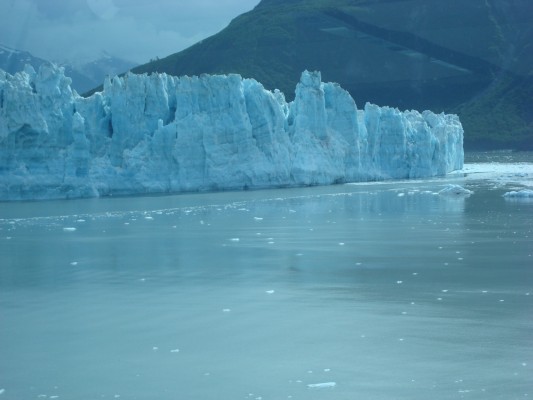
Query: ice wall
[{"x": 158, "y": 133}]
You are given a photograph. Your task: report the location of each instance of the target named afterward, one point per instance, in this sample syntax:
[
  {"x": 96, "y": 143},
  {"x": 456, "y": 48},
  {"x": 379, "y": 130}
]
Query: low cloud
[{"x": 134, "y": 30}]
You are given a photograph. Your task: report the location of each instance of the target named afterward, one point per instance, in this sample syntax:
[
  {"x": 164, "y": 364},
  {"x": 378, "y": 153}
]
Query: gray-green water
[{"x": 389, "y": 290}]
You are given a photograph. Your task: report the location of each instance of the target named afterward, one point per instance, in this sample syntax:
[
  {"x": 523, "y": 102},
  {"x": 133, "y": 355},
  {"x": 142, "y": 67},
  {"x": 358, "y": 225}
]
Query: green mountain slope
[{"x": 470, "y": 57}]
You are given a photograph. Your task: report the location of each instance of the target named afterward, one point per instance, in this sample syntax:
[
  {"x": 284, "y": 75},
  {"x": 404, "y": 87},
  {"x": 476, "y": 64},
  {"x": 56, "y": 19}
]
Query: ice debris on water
[
  {"x": 269, "y": 291},
  {"x": 455, "y": 190},
  {"x": 520, "y": 194},
  {"x": 69, "y": 229},
  {"x": 322, "y": 385}
]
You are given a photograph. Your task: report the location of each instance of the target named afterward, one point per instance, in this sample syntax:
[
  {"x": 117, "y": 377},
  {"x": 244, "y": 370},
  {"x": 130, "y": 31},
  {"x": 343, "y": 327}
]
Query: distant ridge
[{"x": 85, "y": 76}]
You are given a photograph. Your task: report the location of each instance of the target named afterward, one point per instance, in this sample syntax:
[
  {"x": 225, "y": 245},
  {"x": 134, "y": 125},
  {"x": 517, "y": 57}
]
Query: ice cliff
[{"x": 159, "y": 133}]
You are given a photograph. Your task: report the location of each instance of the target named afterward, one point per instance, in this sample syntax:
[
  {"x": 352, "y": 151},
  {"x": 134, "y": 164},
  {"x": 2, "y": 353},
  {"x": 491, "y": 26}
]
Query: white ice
[
  {"x": 158, "y": 133},
  {"x": 455, "y": 190},
  {"x": 520, "y": 194},
  {"x": 322, "y": 385},
  {"x": 501, "y": 174}
]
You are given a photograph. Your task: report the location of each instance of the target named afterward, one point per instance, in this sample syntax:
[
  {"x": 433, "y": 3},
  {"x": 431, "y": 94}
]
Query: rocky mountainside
[{"x": 471, "y": 57}]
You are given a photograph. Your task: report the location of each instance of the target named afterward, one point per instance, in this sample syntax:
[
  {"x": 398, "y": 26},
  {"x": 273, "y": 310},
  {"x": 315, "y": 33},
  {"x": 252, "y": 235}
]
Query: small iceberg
[
  {"x": 322, "y": 385},
  {"x": 455, "y": 190},
  {"x": 520, "y": 194}
]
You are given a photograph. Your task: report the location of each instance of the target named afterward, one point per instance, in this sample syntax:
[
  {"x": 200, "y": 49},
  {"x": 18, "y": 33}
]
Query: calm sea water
[{"x": 388, "y": 290}]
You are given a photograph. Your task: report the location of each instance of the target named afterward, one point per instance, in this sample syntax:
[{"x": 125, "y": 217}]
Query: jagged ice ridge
[{"x": 158, "y": 133}]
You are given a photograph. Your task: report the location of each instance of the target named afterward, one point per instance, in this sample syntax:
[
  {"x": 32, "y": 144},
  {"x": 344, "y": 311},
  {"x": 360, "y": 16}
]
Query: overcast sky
[{"x": 136, "y": 30}]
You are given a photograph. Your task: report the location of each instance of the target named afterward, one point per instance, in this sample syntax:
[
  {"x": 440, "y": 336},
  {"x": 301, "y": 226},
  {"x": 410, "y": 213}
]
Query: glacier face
[{"x": 158, "y": 133}]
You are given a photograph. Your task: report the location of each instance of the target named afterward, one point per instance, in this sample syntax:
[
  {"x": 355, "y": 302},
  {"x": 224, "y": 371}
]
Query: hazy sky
[{"x": 136, "y": 30}]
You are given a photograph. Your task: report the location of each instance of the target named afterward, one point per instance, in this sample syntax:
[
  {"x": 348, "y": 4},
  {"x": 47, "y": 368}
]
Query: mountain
[
  {"x": 98, "y": 70},
  {"x": 84, "y": 76},
  {"x": 471, "y": 57}
]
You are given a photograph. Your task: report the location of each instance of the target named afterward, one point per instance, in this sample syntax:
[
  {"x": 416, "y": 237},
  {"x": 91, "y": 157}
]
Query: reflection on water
[{"x": 389, "y": 290}]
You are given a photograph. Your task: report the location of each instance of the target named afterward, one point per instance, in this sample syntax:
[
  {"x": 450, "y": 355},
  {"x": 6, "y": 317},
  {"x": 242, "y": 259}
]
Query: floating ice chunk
[
  {"x": 455, "y": 190},
  {"x": 399, "y": 282},
  {"x": 149, "y": 218},
  {"x": 80, "y": 220},
  {"x": 2, "y": 391},
  {"x": 401, "y": 194},
  {"x": 258, "y": 218},
  {"x": 520, "y": 194},
  {"x": 74, "y": 263},
  {"x": 175, "y": 351},
  {"x": 235, "y": 239},
  {"x": 322, "y": 385},
  {"x": 155, "y": 348},
  {"x": 226, "y": 310},
  {"x": 269, "y": 291},
  {"x": 69, "y": 229}
]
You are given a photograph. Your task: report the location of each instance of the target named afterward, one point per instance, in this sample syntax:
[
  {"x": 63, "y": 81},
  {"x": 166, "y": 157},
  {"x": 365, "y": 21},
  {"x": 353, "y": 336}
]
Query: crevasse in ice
[{"x": 158, "y": 133}]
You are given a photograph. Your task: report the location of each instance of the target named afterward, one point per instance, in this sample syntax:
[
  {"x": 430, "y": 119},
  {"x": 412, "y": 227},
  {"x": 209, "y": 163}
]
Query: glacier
[{"x": 163, "y": 134}]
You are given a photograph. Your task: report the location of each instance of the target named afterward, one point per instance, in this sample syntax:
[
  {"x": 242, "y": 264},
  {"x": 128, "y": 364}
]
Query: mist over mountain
[
  {"x": 84, "y": 75},
  {"x": 471, "y": 57}
]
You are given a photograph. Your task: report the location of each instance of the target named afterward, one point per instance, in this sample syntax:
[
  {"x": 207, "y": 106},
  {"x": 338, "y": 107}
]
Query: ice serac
[{"x": 161, "y": 134}]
